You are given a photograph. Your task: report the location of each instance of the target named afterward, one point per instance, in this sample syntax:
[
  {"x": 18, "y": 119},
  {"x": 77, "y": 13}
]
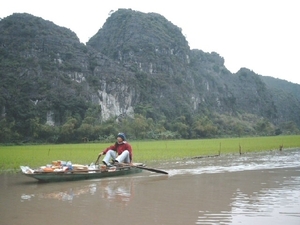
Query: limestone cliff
[{"x": 136, "y": 63}]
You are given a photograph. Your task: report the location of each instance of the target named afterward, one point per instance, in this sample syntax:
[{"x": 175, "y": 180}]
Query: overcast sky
[{"x": 261, "y": 35}]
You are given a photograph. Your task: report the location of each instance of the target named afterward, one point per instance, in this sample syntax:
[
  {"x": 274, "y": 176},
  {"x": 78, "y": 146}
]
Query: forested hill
[{"x": 138, "y": 75}]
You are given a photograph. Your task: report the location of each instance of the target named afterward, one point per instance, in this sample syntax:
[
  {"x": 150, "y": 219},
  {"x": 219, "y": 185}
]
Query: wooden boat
[{"x": 84, "y": 173}]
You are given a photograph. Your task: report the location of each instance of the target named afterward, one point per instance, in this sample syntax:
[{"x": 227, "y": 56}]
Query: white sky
[{"x": 261, "y": 35}]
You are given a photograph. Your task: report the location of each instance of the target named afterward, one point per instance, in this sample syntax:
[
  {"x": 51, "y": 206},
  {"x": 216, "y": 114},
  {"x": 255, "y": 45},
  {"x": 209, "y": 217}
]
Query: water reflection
[
  {"x": 63, "y": 195},
  {"x": 114, "y": 190}
]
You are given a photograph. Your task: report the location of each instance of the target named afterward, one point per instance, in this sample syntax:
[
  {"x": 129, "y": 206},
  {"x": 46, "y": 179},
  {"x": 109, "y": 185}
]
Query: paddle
[
  {"x": 98, "y": 159},
  {"x": 151, "y": 169},
  {"x": 142, "y": 167}
]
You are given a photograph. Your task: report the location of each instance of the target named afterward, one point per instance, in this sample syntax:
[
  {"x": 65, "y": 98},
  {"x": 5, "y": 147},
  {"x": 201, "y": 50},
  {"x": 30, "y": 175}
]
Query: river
[{"x": 254, "y": 188}]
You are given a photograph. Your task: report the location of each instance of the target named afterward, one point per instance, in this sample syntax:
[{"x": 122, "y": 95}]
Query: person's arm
[
  {"x": 130, "y": 152},
  {"x": 105, "y": 150}
]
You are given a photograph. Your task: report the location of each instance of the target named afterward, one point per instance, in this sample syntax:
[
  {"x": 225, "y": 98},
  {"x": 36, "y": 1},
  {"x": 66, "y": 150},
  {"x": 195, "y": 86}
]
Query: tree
[
  {"x": 204, "y": 128},
  {"x": 48, "y": 133},
  {"x": 68, "y": 130},
  {"x": 264, "y": 127},
  {"x": 7, "y": 133},
  {"x": 139, "y": 126}
]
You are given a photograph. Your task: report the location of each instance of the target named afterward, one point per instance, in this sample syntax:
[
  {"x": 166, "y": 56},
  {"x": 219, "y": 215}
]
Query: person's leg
[
  {"x": 110, "y": 154},
  {"x": 124, "y": 157}
]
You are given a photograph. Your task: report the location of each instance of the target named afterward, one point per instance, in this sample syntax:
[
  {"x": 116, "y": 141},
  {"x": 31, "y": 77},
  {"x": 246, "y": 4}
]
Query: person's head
[{"x": 121, "y": 137}]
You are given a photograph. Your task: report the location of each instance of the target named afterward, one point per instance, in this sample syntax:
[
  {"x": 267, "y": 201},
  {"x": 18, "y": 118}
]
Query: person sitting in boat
[{"x": 120, "y": 152}]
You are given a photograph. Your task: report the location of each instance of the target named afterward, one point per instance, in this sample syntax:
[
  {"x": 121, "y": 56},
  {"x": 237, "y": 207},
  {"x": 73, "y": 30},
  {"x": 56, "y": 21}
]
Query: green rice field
[{"x": 12, "y": 157}]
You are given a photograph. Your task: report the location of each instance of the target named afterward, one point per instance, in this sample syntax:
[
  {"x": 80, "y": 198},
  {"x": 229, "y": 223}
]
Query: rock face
[
  {"x": 136, "y": 63},
  {"x": 150, "y": 44},
  {"x": 142, "y": 42}
]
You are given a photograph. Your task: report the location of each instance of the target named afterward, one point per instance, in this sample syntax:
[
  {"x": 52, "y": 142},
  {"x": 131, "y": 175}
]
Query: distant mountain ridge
[
  {"x": 284, "y": 85},
  {"x": 137, "y": 63}
]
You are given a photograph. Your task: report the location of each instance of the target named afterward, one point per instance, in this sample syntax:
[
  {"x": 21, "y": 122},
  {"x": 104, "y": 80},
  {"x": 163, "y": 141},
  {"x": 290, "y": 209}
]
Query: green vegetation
[
  {"x": 11, "y": 157},
  {"x": 147, "y": 124}
]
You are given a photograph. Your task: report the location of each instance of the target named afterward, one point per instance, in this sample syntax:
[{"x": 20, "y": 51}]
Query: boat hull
[{"x": 84, "y": 175}]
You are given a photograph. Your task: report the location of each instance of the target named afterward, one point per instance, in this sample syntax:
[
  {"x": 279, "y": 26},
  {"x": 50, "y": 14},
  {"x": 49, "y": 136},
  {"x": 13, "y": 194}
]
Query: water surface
[{"x": 257, "y": 188}]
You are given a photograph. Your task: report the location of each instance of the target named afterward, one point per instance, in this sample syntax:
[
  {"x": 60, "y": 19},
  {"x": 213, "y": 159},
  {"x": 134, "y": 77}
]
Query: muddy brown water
[{"x": 257, "y": 188}]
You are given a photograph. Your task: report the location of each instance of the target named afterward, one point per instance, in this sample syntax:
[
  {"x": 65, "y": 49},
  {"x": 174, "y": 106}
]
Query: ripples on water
[
  {"x": 278, "y": 203},
  {"x": 234, "y": 163}
]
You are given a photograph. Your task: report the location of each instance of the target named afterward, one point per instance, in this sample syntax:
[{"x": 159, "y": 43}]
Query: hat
[{"x": 122, "y": 135}]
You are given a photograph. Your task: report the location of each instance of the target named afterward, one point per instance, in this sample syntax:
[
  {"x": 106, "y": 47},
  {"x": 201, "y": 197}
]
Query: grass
[{"x": 11, "y": 157}]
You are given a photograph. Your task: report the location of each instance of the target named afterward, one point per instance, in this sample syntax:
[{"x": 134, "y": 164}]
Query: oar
[
  {"x": 98, "y": 159},
  {"x": 144, "y": 168},
  {"x": 151, "y": 169}
]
